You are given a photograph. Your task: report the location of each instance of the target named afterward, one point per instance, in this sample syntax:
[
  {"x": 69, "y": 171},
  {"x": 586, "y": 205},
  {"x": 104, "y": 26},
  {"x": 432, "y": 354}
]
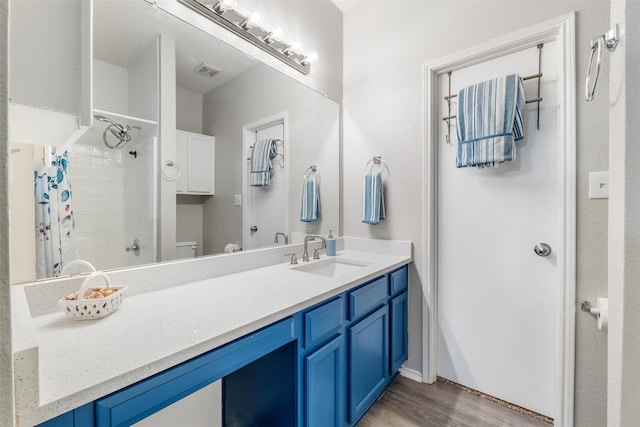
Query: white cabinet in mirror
[
  {"x": 116, "y": 195},
  {"x": 195, "y": 155}
]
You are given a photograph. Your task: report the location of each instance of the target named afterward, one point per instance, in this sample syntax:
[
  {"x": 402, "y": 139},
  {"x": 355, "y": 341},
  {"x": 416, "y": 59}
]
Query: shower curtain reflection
[{"x": 54, "y": 221}]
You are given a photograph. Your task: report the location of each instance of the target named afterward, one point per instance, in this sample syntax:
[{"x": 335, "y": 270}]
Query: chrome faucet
[
  {"x": 280, "y": 233},
  {"x": 305, "y": 255}
]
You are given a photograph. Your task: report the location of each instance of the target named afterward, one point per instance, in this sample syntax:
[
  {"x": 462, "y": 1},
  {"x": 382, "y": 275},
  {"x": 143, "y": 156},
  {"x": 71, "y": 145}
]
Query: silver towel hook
[
  {"x": 170, "y": 164},
  {"x": 311, "y": 170},
  {"x": 377, "y": 161},
  {"x": 608, "y": 40}
]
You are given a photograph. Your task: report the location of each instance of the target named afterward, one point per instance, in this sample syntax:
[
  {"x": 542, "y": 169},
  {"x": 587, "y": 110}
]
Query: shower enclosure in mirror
[{"x": 152, "y": 76}]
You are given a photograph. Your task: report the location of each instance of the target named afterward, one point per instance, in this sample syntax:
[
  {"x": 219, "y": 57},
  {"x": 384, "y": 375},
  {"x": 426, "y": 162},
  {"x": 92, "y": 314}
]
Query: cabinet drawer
[
  {"x": 368, "y": 297},
  {"x": 399, "y": 280},
  {"x": 323, "y": 321}
]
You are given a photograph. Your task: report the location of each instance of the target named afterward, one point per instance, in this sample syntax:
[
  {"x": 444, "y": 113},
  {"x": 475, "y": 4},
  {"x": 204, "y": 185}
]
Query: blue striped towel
[
  {"x": 490, "y": 121},
  {"x": 310, "y": 209},
  {"x": 261, "y": 155},
  {"x": 373, "y": 198}
]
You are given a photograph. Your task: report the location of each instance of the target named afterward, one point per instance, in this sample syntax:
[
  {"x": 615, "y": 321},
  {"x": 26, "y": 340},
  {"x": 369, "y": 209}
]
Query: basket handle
[{"x": 85, "y": 282}]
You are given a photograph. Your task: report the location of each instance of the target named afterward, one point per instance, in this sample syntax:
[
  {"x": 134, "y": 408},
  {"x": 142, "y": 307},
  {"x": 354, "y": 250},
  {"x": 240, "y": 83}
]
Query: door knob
[
  {"x": 542, "y": 249},
  {"x": 254, "y": 228}
]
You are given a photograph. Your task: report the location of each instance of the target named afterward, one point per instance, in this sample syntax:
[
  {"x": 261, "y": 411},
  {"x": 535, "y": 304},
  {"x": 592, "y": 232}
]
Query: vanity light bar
[{"x": 242, "y": 26}]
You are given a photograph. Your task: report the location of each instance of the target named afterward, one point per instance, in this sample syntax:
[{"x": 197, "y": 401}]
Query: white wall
[
  {"x": 386, "y": 44},
  {"x": 23, "y": 267},
  {"x": 111, "y": 87},
  {"x": 44, "y": 70},
  {"x": 143, "y": 77},
  {"x": 624, "y": 221},
  {"x": 188, "y": 110}
]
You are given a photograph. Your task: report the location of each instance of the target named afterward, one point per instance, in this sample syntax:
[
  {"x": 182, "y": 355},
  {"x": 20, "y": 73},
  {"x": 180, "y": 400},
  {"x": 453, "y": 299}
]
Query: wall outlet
[
  {"x": 237, "y": 199},
  {"x": 599, "y": 185}
]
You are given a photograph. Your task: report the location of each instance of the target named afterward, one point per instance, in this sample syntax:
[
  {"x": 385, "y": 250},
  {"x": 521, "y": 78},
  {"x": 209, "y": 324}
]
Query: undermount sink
[{"x": 331, "y": 267}]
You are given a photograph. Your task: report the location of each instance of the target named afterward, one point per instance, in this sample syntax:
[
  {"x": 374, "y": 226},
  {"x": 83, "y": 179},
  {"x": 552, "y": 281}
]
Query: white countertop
[{"x": 80, "y": 361}]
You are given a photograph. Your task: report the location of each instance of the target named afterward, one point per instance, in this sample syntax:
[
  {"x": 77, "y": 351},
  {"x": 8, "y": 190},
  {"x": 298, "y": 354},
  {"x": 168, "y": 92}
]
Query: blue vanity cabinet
[{"x": 368, "y": 361}]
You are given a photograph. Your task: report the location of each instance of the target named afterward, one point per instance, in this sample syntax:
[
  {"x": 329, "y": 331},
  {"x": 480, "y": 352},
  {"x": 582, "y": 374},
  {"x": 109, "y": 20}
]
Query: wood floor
[{"x": 407, "y": 403}]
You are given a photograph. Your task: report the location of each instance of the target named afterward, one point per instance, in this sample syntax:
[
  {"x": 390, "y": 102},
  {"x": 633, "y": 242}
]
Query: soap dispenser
[{"x": 331, "y": 244}]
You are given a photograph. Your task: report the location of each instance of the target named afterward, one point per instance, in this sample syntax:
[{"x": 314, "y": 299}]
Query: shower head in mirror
[{"x": 119, "y": 132}]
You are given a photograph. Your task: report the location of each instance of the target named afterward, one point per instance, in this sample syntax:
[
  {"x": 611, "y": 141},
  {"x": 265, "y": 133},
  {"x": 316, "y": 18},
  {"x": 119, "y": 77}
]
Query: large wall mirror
[{"x": 114, "y": 213}]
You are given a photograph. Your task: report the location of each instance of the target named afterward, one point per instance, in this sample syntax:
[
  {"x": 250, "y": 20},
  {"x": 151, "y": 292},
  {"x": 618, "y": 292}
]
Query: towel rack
[
  {"x": 313, "y": 169},
  {"x": 274, "y": 155},
  {"x": 165, "y": 175},
  {"x": 538, "y": 99},
  {"x": 610, "y": 40},
  {"x": 376, "y": 161}
]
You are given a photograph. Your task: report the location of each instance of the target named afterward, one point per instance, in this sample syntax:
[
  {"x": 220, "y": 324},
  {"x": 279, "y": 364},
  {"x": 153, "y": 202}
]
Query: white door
[
  {"x": 497, "y": 299},
  {"x": 265, "y": 207}
]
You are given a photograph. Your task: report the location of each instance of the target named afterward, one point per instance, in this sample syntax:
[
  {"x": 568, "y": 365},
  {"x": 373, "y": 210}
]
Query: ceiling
[
  {"x": 124, "y": 28},
  {"x": 346, "y": 5}
]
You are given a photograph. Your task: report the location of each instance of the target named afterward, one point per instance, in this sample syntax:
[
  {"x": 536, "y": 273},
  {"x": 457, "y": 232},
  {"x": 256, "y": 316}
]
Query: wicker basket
[{"x": 80, "y": 308}]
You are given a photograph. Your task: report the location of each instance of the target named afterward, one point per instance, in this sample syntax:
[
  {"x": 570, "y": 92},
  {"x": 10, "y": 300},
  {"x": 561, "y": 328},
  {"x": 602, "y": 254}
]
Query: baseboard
[{"x": 412, "y": 374}]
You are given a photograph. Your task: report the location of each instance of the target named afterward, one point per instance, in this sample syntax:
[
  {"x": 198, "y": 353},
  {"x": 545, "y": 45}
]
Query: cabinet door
[
  {"x": 200, "y": 163},
  {"x": 368, "y": 361},
  {"x": 181, "y": 159},
  {"x": 398, "y": 341},
  {"x": 324, "y": 375}
]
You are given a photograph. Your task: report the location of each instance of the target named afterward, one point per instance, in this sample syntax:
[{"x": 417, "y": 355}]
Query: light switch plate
[
  {"x": 599, "y": 185},
  {"x": 237, "y": 199}
]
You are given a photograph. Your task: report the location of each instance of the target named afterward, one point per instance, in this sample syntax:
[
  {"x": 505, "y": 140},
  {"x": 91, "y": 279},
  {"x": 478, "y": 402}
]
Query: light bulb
[
  {"x": 254, "y": 18},
  {"x": 224, "y": 5},
  {"x": 296, "y": 45},
  {"x": 272, "y": 36},
  {"x": 251, "y": 20},
  {"x": 312, "y": 58}
]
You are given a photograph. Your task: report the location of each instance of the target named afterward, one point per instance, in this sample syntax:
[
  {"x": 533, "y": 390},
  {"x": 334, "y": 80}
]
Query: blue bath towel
[
  {"x": 490, "y": 121},
  {"x": 373, "y": 199},
  {"x": 261, "y": 155},
  {"x": 310, "y": 209}
]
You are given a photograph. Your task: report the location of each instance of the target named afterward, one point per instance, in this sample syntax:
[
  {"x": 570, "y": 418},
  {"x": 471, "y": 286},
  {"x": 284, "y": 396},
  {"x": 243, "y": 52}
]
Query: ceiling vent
[{"x": 206, "y": 70}]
